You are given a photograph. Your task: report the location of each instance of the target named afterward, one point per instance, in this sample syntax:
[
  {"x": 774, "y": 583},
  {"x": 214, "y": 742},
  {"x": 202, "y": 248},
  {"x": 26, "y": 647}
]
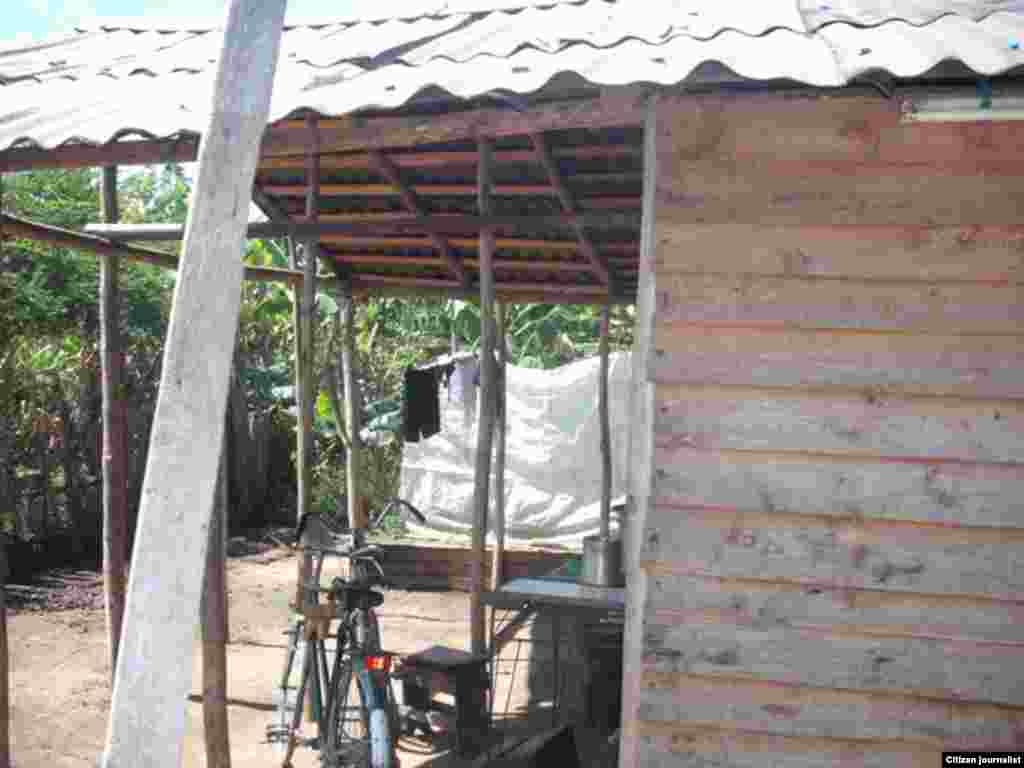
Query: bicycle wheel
[{"x": 359, "y": 728}]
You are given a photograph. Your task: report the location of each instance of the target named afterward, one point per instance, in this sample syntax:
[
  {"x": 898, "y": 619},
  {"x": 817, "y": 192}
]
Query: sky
[{"x": 27, "y": 21}]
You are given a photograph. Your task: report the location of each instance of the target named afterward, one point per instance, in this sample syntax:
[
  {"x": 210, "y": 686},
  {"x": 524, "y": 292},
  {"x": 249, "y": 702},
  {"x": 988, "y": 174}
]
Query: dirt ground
[{"x": 59, "y": 669}]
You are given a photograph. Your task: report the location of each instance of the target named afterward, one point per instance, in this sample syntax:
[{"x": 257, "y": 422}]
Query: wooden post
[
  {"x": 606, "y": 431},
  {"x": 501, "y": 425},
  {"x": 115, "y": 455},
  {"x": 307, "y": 312},
  {"x": 214, "y": 626},
  {"x": 485, "y": 432},
  {"x": 298, "y": 325},
  {"x": 43, "y": 447},
  {"x": 5, "y": 682},
  {"x": 356, "y": 511},
  {"x": 154, "y": 663}
]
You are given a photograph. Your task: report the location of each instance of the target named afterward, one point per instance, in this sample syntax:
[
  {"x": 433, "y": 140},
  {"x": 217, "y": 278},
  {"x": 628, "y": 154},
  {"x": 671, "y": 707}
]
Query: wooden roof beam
[
  {"x": 386, "y": 168},
  {"x": 327, "y": 226},
  {"x": 527, "y": 265},
  {"x": 515, "y": 291},
  {"x": 425, "y": 190},
  {"x": 614, "y": 108},
  {"x": 14, "y": 227},
  {"x": 547, "y": 159}
]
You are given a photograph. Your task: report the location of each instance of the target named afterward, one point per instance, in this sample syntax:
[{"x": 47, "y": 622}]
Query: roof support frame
[
  {"x": 598, "y": 264},
  {"x": 410, "y": 200}
]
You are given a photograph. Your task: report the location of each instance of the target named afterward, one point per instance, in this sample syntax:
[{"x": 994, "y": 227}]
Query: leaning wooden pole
[
  {"x": 115, "y": 458},
  {"x": 606, "y": 430},
  {"x": 485, "y": 432},
  {"x": 501, "y": 425},
  {"x": 214, "y": 629},
  {"x": 154, "y": 663}
]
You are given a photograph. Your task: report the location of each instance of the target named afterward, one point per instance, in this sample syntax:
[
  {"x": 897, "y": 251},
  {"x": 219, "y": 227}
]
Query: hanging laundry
[
  {"x": 462, "y": 388},
  {"x": 422, "y": 411}
]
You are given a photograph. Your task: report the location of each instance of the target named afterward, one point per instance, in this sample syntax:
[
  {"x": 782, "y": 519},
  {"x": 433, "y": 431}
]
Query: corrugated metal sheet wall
[{"x": 830, "y": 567}]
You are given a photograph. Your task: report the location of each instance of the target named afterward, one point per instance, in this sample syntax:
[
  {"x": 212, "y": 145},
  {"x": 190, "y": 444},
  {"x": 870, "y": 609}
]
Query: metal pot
[{"x": 602, "y": 562}]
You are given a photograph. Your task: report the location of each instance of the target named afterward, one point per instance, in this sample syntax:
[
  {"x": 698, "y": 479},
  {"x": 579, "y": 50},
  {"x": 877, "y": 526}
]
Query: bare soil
[{"x": 60, "y": 671}]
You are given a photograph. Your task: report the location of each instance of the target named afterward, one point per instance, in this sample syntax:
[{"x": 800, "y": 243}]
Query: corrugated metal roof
[{"x": 91, "y": 85}]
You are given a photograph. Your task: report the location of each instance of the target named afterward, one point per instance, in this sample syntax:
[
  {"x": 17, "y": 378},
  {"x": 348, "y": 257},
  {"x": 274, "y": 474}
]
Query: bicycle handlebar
[{"x": 374, "y": 523}]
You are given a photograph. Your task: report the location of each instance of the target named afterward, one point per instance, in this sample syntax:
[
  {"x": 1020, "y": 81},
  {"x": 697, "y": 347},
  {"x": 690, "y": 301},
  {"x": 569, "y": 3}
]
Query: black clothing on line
[{"x": 422, "y": 409}]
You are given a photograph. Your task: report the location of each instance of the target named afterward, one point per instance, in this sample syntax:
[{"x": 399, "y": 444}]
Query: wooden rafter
[
  {"x": 386, "y": 168},
  {"x": 565, "y": 196}
]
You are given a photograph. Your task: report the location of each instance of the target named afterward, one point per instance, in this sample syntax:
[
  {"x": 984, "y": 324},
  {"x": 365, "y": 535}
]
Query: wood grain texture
[
  {"x": 676, "y": 598},
  {"x": 713, "y": 419},
  {"x": 928, "y": 667},
  {"x": 701, "y": 744},
  {"x": 749, "y": 301},
  {"x": 698, "y": 744},
  {"x": 976, "y": 366},
  {"x": 827, "y": 131},
  {"x": 944, "y": 252},
  {"x": 832, "y": 549},
  {"x": 154, "y": 665},
  {"x": 853, "y": 553},
  {"x": 947, "y": 493},
  {"x": 787, "y": 709},
  {"x": 828, "y": 161}
]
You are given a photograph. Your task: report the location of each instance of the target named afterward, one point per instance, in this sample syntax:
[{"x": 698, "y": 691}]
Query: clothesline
[{"x": 446, "y": 360}]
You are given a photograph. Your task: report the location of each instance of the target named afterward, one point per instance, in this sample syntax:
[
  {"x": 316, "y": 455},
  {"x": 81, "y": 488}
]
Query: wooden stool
[{"x": 446, "y": 670}]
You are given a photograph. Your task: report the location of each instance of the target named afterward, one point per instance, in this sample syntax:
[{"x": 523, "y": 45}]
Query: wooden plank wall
[{"x": 831, "y": 565}]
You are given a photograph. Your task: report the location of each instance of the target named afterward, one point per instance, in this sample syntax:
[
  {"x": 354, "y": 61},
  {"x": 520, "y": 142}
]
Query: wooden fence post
[
  {"x": 154, "y": 664},
  {"x": 114, "y": 462}
]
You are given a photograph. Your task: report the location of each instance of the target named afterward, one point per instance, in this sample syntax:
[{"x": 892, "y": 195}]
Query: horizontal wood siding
[{"x": 833, "y": 550}]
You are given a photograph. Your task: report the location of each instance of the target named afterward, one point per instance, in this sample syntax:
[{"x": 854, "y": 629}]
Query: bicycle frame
[{"x": 357, "y": 655}]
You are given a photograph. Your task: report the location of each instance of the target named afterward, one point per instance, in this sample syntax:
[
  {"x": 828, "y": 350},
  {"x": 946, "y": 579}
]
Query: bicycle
[{"x": 352, "y": 706}]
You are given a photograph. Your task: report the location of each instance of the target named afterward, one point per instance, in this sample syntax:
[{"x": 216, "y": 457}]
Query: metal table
[{"x": 556, "y": 595}]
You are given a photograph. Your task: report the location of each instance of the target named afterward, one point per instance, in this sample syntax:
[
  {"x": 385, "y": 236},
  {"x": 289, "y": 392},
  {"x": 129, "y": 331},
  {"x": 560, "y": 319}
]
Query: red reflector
[{"x": 378, "y": 663}]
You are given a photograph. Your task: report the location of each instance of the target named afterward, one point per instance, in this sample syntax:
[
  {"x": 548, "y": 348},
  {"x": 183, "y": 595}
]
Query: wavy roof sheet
[{"x": 97, "y": 83}]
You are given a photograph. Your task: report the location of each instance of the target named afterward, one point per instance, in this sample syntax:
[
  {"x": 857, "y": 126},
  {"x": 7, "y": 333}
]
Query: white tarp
[{"x": 553, "y": 460}]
